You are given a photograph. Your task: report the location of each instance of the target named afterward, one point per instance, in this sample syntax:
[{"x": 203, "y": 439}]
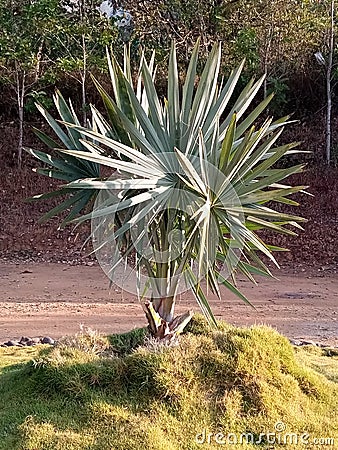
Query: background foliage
[
  {"x": 299, "y": 87},
  {"x": 278, "y": 37}
]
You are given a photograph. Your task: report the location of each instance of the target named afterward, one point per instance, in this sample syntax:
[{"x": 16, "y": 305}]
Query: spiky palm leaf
[{"x": 194, "y": 177}]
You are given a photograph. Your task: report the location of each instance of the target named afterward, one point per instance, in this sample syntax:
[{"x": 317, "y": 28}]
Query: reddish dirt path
[{"x": 54, "y": 299}]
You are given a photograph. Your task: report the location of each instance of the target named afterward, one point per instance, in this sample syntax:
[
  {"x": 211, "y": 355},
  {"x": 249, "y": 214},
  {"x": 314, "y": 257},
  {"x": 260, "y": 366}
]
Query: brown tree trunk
[
  {"x": 328, "y": 88},
  {"x": 83, "y": 82},
  {"x": 20, "y": 91}
]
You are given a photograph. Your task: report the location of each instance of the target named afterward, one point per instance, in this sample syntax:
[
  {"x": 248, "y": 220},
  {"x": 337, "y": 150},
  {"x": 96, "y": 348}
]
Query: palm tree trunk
[
  {"x": 160, "y": 310},
  {"x": 165, "y": 306}
]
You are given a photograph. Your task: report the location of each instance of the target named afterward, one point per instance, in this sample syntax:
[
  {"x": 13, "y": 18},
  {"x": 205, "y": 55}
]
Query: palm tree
[{"x": 192, "y": 182}]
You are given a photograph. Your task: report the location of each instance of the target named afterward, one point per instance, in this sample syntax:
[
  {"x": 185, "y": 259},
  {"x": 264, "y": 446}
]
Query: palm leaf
[{"x": 192, "y": 165}]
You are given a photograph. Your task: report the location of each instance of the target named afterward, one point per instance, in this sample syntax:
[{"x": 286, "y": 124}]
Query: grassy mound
[{"x": 97, "y": 393}]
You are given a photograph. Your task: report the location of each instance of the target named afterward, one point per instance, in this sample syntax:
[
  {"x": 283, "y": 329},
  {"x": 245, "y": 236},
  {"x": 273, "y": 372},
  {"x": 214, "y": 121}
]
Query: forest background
[{"x": 49, "y": 44}]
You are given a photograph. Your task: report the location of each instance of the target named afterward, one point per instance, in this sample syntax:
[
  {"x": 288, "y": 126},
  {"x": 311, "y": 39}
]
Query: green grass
[{"x": 92, "y": 392}]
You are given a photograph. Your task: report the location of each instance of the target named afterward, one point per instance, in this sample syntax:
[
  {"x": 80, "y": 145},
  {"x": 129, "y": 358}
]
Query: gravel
[
  {"x": 47, "y": 340},
  {"x": 29, "y": 342}
]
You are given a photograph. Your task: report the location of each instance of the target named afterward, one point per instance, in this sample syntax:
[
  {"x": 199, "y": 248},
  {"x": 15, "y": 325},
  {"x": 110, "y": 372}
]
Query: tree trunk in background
[
  {"x": 20, "y": 92},
  {"x": 83, "y": 81},
  {"x": 328, "y": 87},
  {"x": 20, "y": 143},
  {"x": 266, "y": 62}
]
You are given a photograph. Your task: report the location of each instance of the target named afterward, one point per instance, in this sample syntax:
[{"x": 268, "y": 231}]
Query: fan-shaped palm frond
[{"x": 193, "y": 181}]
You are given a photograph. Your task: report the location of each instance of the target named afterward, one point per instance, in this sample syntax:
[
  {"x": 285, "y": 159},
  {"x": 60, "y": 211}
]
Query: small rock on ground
[{"x": 29, "y": 342}]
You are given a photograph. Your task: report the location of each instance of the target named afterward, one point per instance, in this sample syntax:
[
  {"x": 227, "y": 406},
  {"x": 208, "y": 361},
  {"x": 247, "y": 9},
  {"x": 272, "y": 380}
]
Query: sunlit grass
[{"x": 89, "y": 393}]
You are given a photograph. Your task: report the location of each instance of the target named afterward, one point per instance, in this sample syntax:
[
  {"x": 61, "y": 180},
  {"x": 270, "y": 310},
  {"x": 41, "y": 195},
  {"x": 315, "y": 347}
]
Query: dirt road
[{"x": 54, "y": 299}]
